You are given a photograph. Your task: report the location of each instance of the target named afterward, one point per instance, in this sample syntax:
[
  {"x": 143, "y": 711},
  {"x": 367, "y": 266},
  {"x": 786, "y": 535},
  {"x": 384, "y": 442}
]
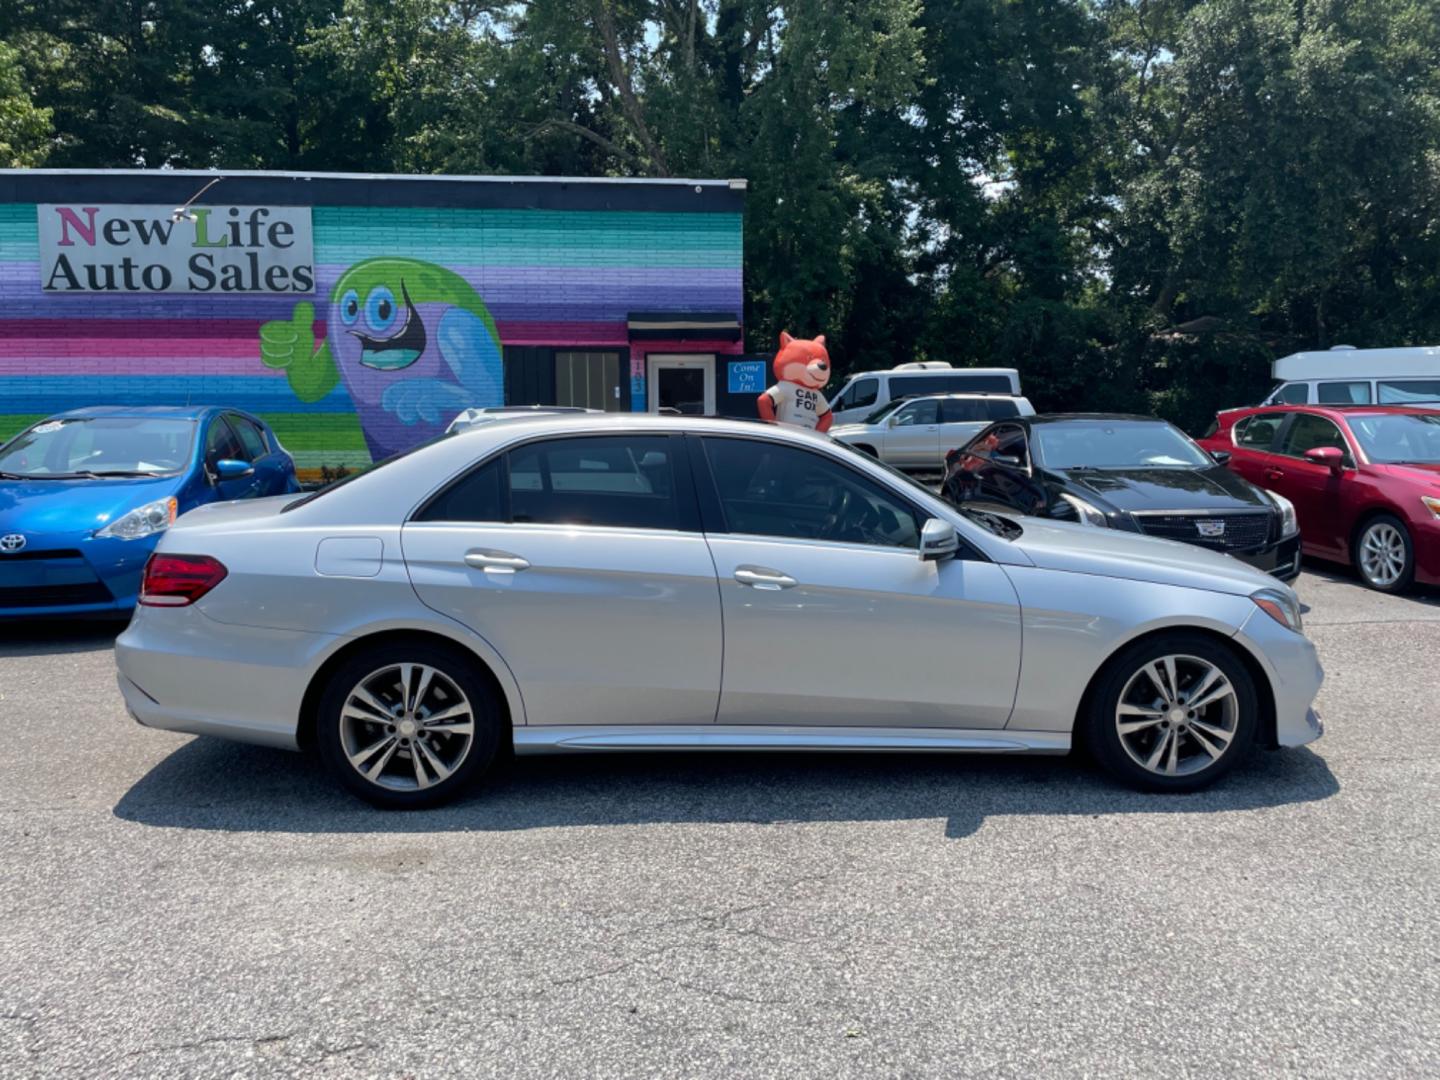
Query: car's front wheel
[
  {"x": 407, "y": 725},
  {"x": 1174, "y": 712},
  {"x": 1384, "y": 554}
]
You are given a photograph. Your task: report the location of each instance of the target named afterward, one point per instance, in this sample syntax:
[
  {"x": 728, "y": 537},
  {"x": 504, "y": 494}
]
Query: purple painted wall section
[{"x": 538, "y": 278}]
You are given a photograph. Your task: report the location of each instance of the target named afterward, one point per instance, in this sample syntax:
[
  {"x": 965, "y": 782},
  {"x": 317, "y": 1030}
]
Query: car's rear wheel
[
  {"x": 408, "y": 725},
  {"x": 1174, "y": 712},
  {"x": 1385, "y": 555}
]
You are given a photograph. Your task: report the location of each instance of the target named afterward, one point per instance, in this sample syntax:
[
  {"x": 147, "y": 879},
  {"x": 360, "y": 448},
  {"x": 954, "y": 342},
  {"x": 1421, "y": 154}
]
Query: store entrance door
[{"x": 683, "y": 383}]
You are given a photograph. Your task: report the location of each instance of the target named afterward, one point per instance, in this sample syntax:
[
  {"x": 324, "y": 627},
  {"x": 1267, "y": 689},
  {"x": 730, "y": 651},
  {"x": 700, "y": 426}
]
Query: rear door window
[
  {"x": 966, "y": 411},
  {"x": 1258, "y": 432},
  {"x": 620, "y": 481}
]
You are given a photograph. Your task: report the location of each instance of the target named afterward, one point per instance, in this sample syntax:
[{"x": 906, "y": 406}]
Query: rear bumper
[{"x": 181, "y": 671}]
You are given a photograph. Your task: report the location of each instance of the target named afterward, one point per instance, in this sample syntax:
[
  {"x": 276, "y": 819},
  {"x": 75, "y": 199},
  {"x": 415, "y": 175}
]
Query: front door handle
[
  {"x": 762, "y": 577},
  {"x": 1272, "y": 473},
  {"x": 495, "y": 562}
]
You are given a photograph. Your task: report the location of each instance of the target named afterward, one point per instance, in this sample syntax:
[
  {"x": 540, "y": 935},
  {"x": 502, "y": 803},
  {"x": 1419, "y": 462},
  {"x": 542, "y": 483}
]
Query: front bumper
[
  {"x": 1295, "y": 675},
  {"x": 1281, "y": 560},
  {"x": 73, "y": 574}
]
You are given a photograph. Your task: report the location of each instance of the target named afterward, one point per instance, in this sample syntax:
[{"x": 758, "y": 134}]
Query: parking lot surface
[{"x": 184, "y": 907}]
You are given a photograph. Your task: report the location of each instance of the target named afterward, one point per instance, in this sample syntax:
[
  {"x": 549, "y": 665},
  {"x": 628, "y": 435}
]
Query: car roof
[
  {"x": 171, "y": 412},
  {"x": 1337, "y": 410},
  {"x": 1060, "y": 418}
]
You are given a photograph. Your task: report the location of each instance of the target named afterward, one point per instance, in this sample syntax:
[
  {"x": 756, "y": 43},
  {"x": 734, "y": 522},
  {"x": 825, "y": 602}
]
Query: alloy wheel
[
  {"x": 406, "y": 727},
  {"x": 1382, "y": 554},
  {"x": 1177, "y": 715}
]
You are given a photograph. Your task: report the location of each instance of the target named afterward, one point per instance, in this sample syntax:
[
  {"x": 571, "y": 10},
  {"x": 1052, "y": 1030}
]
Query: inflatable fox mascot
[{"x": 802, "y": 368}]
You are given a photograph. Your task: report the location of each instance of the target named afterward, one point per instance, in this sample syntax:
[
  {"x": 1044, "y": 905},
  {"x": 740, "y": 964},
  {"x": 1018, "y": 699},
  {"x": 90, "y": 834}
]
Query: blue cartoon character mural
[{"x": 413, "y": 342}]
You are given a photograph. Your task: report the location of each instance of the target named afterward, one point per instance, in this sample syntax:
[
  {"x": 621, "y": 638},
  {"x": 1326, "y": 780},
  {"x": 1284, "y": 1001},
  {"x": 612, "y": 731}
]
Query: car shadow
[
  {"x": 211, "y": 784},
  {"x": 40, "y": 637}
]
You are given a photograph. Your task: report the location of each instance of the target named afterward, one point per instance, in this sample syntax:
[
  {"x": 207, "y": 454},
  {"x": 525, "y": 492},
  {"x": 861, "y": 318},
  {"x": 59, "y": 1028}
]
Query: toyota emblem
[{"x": 11, "y": 543}]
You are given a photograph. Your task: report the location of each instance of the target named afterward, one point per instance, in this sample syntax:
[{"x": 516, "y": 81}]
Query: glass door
[{"x": 682, "y": 384}]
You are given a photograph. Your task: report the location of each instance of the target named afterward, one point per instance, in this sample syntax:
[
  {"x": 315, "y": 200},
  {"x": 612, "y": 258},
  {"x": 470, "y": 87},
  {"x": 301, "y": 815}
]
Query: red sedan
[{"x": 1365, "y": 481}]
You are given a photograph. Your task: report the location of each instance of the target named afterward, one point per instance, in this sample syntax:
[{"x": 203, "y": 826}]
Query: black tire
[
  {"x": 1387, "y": 526},
  {"x": 337, "y": 738},
  {"x": 1194, "y": 766}
]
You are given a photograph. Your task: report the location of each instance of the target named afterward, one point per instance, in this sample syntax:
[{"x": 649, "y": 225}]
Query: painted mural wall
[{"x": 411, "y": 310}]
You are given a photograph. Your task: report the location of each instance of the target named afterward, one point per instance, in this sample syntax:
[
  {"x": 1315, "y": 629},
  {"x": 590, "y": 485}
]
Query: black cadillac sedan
[{"x": 1135, "y": 473}]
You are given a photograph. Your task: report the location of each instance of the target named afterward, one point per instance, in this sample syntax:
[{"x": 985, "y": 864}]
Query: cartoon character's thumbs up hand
[{"x": 285, "y": 341}]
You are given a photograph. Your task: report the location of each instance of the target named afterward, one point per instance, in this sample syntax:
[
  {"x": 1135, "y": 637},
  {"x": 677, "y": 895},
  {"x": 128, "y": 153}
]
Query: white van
[
  {"x": 866, "y": 391},
  {"x": 1346, "y": 375}
]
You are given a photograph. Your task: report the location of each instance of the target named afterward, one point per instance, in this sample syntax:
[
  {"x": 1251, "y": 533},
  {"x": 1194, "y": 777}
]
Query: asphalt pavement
[{"x": 177, "y": 907}]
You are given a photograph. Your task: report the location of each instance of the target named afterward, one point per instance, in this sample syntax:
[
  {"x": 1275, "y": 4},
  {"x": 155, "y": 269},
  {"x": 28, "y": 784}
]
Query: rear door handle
[
  {"x": 495, "y": 562},
  {"x": 762, "y": 577}
]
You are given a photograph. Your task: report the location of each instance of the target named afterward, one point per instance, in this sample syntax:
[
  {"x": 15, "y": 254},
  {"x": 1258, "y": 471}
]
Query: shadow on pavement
[
  {"x": 37, "y": 637},
  {"x": 210, "y": 784}
]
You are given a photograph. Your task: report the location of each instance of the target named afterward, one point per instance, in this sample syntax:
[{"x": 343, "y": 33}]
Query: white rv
[
  {"x": 866, "y": 391},
  {"x": 1346, "y": 375}
]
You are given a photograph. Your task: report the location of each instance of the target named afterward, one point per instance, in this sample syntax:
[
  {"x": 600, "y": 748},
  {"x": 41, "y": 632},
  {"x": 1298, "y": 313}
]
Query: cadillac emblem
[
  {"x": 1210, "y": 529},
  {"x": 11, "y": 543}
]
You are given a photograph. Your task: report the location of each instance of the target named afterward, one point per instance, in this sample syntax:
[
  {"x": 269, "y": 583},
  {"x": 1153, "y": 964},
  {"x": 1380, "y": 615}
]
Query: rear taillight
[{"x": 177, "y": 580}]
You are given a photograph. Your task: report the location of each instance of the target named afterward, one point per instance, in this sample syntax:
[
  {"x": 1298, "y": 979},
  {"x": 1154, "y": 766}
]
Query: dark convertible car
[{"x": 1124, "y": 472}]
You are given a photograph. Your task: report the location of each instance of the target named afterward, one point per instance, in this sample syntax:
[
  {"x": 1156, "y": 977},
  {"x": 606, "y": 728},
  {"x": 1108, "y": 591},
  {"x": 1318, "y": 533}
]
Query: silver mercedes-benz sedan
[{"x": 627, "y": 582}]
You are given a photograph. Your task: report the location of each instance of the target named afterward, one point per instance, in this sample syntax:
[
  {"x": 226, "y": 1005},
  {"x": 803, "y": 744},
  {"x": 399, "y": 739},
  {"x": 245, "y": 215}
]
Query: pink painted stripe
[
  {"x": 513, "y": 332},
  {"x": 112, "y": 329},
  {"x": 100, "y": 362},
  {"x": 727, "y": 348},
  {"x": 44, "y": 350}
]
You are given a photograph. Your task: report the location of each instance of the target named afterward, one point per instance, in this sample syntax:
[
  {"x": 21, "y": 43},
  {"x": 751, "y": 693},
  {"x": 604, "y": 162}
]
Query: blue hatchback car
[{"x": 85, "y": 495}]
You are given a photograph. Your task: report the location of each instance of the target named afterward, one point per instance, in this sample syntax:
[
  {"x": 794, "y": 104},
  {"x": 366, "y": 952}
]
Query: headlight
[
  {"x": 142, "y": 521},
  {"x": 1288, "y": 524},
  {"x": 1431, "y": 503},
  {"x": 1085, "y": 513},
  {"x": 1281, "y": 607}
]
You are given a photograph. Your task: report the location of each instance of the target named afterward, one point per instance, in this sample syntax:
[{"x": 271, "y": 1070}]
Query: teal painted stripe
[{"x": 19, "y": 237}]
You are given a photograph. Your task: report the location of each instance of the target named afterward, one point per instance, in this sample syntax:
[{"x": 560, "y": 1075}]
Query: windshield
[
  {"x": 367, "y": 470},
  {"x": 1116, "y": 444},
  {"x": 1400, "y": 438},
  {"x": 99, "y": 446}
]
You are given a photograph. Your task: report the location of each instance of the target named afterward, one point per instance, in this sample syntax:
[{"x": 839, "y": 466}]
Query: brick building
[{"x": 358, "y": 314}]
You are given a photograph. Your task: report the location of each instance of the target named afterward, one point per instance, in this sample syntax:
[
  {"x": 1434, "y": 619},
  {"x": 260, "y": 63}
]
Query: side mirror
[
  {"x": 1332, "y": 457},
  {"x": 938, "y": 540},
  {"x": 230, "y": 469},
  {"x": 1221, "y": 456},
  {"x": 1005, "y": 459}
]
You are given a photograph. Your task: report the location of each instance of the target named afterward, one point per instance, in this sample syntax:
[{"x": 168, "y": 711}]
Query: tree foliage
[{"x": 1137, "y": 202}]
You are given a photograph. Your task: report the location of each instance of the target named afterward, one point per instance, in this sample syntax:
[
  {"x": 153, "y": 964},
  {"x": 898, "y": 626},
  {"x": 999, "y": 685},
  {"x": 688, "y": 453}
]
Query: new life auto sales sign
[{"x": 129, "y": 249}]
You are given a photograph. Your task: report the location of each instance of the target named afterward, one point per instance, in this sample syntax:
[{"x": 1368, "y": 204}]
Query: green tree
[{"x": 25, "y": 130}]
